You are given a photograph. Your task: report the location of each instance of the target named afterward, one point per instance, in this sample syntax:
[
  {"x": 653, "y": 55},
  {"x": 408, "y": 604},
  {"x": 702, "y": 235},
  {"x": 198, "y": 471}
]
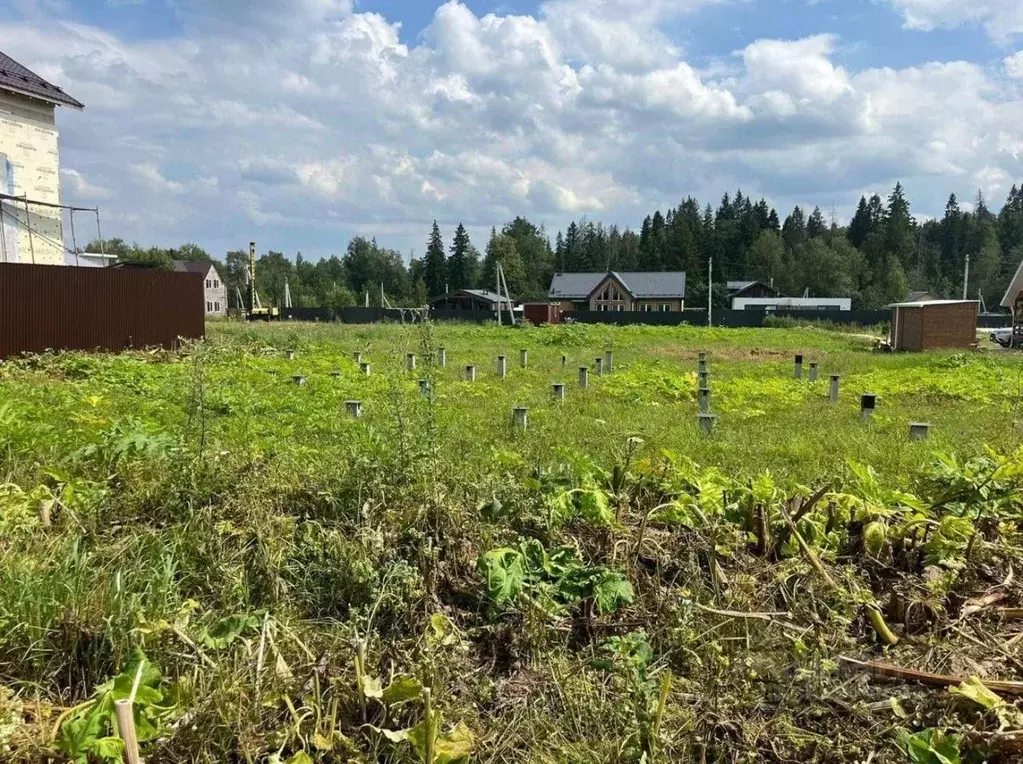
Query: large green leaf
[
  {"x": 505, "y": 573},
  {"x": 402, "y": 689}
]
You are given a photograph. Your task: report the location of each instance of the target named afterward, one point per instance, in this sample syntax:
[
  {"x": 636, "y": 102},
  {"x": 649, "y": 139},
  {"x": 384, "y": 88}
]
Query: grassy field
[{"x": 430, "y": 583}]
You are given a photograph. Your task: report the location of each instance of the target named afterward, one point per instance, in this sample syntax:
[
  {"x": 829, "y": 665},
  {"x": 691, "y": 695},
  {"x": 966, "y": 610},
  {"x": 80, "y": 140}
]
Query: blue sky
[{"x": 303, "y": 124}]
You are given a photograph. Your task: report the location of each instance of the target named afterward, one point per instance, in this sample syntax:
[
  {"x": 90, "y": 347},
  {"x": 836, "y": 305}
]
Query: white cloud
[
  {"x": 83, "y": 189},
  {"x": 1014, "y": 65},
  {"x": 339, "y": 126},
  {"x": 1002, "y": 19},
  {"x": 150, "y": 177}
]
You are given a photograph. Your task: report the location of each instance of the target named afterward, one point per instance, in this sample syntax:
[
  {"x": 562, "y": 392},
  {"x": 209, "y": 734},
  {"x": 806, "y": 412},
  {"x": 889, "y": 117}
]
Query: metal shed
[{"x": 934, "y": 324}]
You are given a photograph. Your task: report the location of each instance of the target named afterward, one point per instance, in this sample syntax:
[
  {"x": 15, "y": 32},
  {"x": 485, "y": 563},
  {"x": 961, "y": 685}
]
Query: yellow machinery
[{"x": 256, "y": 310}]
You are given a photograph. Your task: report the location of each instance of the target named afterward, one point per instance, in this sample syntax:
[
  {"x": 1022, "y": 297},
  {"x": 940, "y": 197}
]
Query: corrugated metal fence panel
[{"x": 44, "y": 307}]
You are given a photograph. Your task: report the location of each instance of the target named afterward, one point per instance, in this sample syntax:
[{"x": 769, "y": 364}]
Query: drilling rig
[{"x": 256, "y": 310}]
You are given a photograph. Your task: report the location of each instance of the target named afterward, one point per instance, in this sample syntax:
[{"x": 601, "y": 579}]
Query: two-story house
[
  {"x": 214, "y": 288},
  {"x": 32, "y": 229}
]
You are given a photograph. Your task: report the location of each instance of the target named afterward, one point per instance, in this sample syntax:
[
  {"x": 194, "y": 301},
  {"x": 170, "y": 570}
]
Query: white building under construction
[{"x": 32, "y": 230}]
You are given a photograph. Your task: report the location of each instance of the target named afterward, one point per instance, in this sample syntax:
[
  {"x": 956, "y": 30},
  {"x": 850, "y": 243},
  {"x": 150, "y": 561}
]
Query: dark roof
[
  {"x": 20, "y": 79},
  {"x": 480, "y": 294},
  {"x": 738, "y": 286},
  {"x": 640, "y": 284},
  {"x": 198, "y": 267}
]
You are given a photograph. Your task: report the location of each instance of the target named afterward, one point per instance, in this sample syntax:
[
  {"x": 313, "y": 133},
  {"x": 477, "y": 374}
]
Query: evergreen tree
[
  {"x": 952, "y": 240},
  {"x": 461, "y": 263},
  {"x": 435, "y": 272},
  {"x": 900, "y": 229},
  {"x": 816, "y": 226},
  {"x": 646, "y": 245},
  {"x": 559, "y": 253},
  {"x": 794, "y": 230},
  {"x": 573, "y": 249},
  {"x": 861, "y": 226}
]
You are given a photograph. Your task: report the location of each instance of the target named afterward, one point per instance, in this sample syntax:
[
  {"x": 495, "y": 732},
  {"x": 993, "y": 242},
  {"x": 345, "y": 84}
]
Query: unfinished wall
[{"x": 30, "y": 164}]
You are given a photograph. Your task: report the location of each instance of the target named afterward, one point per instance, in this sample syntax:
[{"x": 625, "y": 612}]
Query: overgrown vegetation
[{"x": 429, "y": 584}]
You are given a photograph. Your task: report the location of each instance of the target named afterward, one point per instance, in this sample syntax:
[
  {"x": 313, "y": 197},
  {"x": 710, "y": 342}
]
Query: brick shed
[{"x": 935, "y": 324}]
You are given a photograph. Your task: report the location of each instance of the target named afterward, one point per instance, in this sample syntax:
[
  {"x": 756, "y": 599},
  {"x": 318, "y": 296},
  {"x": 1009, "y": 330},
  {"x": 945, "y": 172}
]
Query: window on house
[
  {"x": 216, "y": 306},
  {"x": 665, "y": 307},
  {"x": 611, "y": 297},
  {"x": 216, "y": 283},
  {"x": 209, "y": 306}
]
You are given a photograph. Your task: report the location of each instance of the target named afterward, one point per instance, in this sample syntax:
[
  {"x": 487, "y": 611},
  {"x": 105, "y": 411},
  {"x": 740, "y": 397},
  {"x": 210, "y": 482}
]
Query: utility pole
[
  {"x": 966, "y": 278},
  {"x": 252, "y": 276},
  {"x": 710, "y": 292},
  {"x": 497, "y": 277}
]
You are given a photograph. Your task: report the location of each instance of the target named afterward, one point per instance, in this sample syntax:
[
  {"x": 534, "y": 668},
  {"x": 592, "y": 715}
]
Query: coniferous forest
[{"x": 879, "y": 257}]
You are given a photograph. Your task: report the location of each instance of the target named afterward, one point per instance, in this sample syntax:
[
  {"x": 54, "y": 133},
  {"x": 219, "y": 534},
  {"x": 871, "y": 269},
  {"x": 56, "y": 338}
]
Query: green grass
[{"x": 223, "y": 520}]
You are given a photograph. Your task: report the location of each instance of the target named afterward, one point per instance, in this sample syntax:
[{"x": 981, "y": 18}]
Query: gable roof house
[
  {"x": 30, "y": 166},
  {"x": 641, "y": 291},
  {"x": 215, "y": 290},
  {"x": 470, "y": 299}
]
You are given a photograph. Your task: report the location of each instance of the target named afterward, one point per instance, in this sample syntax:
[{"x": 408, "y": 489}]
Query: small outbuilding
[
  {"x": 934, "y": 324},
  {"x": 538, "y": 313}
]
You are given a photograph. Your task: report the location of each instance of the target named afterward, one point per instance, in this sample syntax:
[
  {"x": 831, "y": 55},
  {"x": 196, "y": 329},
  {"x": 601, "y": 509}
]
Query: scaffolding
[{"x": 8, "y": 200}]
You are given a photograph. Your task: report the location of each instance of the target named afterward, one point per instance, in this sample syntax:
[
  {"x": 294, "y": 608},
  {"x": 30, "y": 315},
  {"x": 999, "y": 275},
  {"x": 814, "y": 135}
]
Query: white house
[
  {"x": 30, "y": 166},
  {"x": 1014, "y": 294},
  {"x": 213, "y": 286},
  {"x": 792, "y": 303}
]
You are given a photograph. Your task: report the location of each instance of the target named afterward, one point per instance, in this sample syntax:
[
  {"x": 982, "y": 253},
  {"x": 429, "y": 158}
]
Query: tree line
[{"x": 882, "y": 255}]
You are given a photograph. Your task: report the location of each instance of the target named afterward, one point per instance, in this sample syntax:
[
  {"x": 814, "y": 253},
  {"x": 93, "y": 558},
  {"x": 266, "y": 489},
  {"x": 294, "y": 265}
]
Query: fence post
[
  {"x": 799, "y": 367},
  {"x": 609, "y": 360},
  {"x": 833, "y": 392},
  {"x": 704, "y": 395},
  {"x": 354, "y": 408},
  {"x": 919, "y": 430},
  {"x": 442, "y": 357},
  {"x": 364, "y": 368},
  {"x": 559, "y": 391},
  {"x": 599, "y": 366},
  {"x": 814, "y": 371},
  {"x": 584, "y": 377},
  {"x": 520, "y": 415},
  {"x": 524, "y": 358},
  {"x": 868, "y": 403},
  {"x": 502, "y": 366},
  {"x": 410, "y": 361},
  {"x": 470, "y": 373}
]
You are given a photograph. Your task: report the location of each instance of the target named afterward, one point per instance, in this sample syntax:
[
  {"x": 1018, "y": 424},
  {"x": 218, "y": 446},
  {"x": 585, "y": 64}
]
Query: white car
[{"x": 1002, "y": 336}]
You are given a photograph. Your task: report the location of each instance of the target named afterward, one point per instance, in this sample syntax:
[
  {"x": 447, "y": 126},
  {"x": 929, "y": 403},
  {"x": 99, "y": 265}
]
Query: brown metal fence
[{"x": 51, "y": 307}]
